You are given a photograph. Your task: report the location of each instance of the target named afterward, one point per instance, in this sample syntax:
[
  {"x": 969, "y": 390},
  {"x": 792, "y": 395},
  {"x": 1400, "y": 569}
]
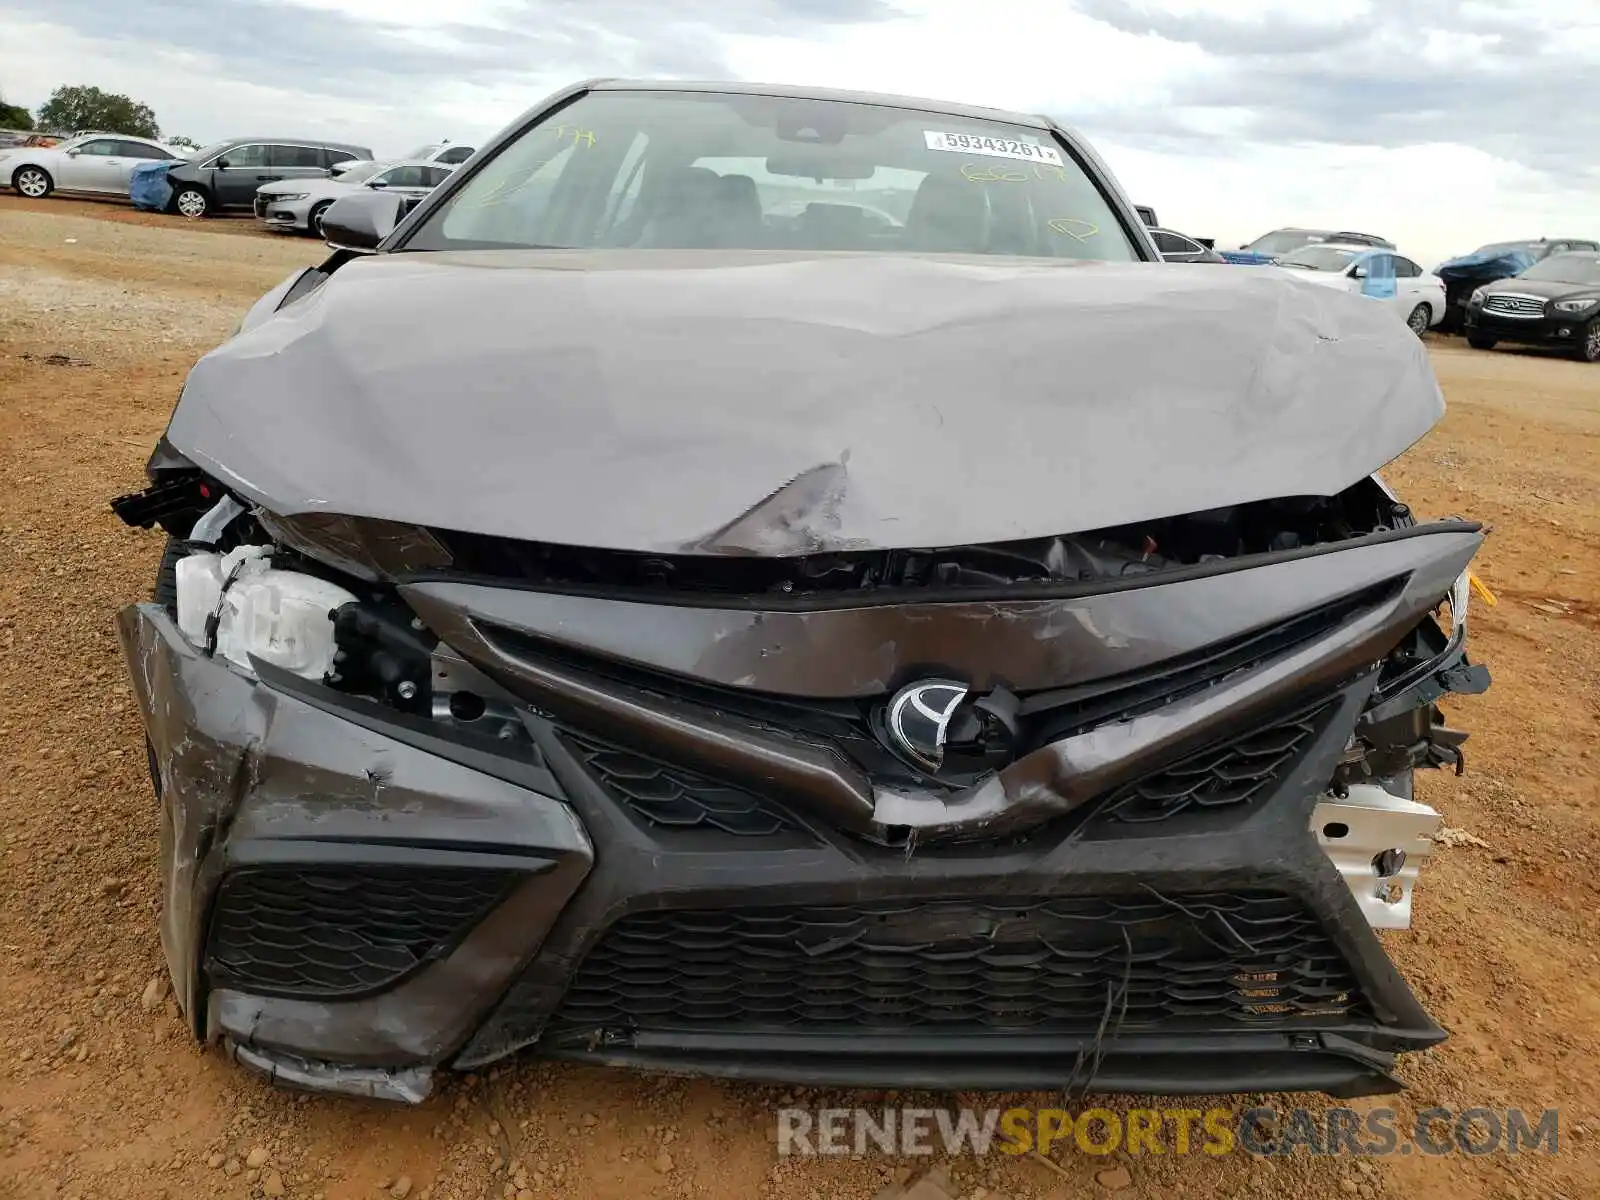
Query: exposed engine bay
[{"x": 253, "y": 601}]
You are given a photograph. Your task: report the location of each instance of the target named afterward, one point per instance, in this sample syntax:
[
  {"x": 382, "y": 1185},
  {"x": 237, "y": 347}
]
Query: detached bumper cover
[{"x": 289, "y": 827}]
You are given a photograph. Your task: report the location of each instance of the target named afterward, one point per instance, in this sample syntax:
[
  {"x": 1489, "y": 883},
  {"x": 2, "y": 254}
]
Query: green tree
[
  {"x": 73, "y": 108},
  {"x": 14, "y": 116}
]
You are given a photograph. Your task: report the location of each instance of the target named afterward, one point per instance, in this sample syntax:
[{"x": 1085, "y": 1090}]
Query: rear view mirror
[{"x": 358, "y": 222}]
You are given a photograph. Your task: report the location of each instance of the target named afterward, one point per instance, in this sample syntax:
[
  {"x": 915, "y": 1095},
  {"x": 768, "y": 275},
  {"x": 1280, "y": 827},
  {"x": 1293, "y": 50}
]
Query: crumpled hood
[{"x": 739, "y": 402}]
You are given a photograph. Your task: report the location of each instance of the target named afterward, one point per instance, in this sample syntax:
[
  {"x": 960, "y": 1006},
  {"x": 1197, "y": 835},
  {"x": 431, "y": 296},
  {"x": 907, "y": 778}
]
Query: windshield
[
  {"x": 358, "y": 171},
  {"x": 1283, "y": 240},
  {"x": 1319, "y": 258},
  {"x": 207, "y": 152},
  {"x": 694, "y": 170},
  {"x": 1566, "y": 268}
]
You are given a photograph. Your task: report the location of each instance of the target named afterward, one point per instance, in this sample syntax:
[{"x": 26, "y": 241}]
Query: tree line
[{"x": 70, "y": 109}]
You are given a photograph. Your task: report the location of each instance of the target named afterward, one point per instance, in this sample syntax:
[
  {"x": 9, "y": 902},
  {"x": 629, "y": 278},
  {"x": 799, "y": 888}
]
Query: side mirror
[
  {"x": 1358, "y": 272},
  {"x": 222, "y": 162},
  {"x": 74, "y": 152},
  {"x": 378, "y": 183},
  {"x": 358, "y": 222}
]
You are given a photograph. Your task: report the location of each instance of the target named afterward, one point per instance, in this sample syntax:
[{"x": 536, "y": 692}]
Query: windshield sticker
[
  {"x": 969, "y": 143},
  {"x": 1074, "y": 227}
]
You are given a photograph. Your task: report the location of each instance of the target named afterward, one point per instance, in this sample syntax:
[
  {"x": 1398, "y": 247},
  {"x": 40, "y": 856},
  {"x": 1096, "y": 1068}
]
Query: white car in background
[
  {"x": 442, "y": 152},
  {"x": 297, "y": 205},
  {"x": 1416, "y": 295},
  {"x": 91, "y": 164}
]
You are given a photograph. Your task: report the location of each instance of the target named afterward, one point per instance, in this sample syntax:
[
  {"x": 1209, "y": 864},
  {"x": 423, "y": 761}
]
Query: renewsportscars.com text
[{"x": 1263, "y": 1131}]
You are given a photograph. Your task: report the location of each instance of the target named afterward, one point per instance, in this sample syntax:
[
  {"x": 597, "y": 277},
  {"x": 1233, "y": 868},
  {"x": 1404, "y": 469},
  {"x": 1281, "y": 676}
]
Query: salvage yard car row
[
  {"x": 222, "y": 177},
  {"x": 289, "y": 184}
]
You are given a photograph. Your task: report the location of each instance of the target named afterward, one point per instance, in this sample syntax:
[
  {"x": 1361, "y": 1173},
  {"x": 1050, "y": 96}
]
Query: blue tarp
[
  {"x": 148, "y": 187},
  {"x": 1486, "y": 264},
  {"x": 1247, "y": 258}
]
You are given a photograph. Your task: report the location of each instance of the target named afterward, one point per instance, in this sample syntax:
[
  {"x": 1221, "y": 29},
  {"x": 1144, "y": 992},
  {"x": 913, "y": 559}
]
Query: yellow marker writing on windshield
[
  {"x": 973, "y": 173},
  {"x": 1073, "y": 227}
]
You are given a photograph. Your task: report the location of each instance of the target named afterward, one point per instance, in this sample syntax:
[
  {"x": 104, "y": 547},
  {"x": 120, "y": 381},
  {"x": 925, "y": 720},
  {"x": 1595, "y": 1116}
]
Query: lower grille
[
  {"x": 961, "y": 966},
  {"x": 670, "y": 797},
  {"x": 340, "y": 932}
]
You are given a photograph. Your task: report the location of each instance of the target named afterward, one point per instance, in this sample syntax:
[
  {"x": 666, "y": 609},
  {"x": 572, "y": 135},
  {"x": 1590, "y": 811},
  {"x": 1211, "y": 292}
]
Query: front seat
[
  {"x": 948, "y": 215},
  {"x": 684, "y": 213},
  {"x": 740, "y": 210}
]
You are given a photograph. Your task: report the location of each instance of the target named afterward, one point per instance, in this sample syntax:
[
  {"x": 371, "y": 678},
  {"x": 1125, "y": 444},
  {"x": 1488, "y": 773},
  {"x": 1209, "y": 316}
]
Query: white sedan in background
[
  {"x": 93, "y": 164},
  {"x": 1416, "y": 296},
  {"x": 297, "y": 205}
]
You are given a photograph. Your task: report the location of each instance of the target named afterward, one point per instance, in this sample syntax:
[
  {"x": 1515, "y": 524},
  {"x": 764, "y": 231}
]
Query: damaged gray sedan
[{"x": 786, "y": 585}]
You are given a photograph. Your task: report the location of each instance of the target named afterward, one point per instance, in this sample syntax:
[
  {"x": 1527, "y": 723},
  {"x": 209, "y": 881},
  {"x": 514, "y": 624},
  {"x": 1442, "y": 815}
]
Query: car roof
[
  {"x": 1359, "y": 249},
  {"x": 289, "y": 141},
  {"x": 1334, "y": 234},
  {"x": 845, "y": 95},
  {"x": 386, "y": 163}
]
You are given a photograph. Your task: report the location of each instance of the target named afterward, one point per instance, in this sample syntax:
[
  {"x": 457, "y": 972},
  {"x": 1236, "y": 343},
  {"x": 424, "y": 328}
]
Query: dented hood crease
[{"x": 747, "y": 403}]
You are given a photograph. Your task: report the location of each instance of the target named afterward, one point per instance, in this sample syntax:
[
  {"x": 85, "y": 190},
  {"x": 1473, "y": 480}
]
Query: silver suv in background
[{"x": 226, "y": 174}]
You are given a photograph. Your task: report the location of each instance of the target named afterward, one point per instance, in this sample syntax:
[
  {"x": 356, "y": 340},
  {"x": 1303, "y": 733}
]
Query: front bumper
[
  {"x": 1214, "y": 955},
  {"x": 1565, "y": 330},
  {"x": 293, "y": 215}
]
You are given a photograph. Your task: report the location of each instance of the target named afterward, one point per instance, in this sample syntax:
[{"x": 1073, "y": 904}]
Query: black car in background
[
  {"x": 1555, "y": 302},
  {"x": 226, "y": 174},
  {"x": 1498, "y": 260}
]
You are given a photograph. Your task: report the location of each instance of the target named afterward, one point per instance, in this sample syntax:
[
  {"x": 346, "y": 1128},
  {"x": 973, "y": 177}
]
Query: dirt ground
[{"x": 102, "y": 1094}]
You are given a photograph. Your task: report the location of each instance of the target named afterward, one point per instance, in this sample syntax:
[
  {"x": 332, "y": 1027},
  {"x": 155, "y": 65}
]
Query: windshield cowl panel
[{"x": 685, "y": 170}]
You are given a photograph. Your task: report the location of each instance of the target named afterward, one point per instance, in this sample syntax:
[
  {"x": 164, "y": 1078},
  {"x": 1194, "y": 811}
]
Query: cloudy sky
[{"x": 1438, "y": 123}]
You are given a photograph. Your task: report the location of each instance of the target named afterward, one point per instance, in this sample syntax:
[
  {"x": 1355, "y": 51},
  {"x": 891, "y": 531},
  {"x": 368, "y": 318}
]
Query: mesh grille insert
[
  {"x": 670, "y": 797},
  {"x": 1223, "y": 776},
  {"x": 964, "y": 966},
  {"x": 340, "y": 931}
]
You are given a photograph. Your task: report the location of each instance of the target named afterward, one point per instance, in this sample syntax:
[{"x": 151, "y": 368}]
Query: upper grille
[
  {"x": 670, "y": 797},
  {"x": 1519, "y": 306},
  {"x": 340, "y": 931},
  {"x": 965, "y": 966},
  {"x": 1221, "y": 776}
]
